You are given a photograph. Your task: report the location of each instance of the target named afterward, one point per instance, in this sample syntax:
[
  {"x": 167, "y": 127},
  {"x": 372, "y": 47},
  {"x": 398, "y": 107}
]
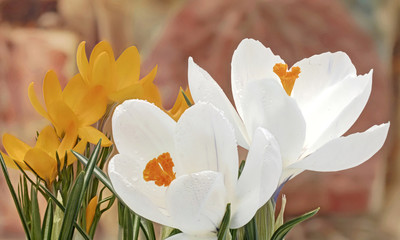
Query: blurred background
[{"x": 361, "y": 203}]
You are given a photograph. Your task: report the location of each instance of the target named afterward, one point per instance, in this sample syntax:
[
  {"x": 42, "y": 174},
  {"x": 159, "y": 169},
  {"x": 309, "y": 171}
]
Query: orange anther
[
  {"x": 287, "y": 78},
  {"x": 159, "y": 170}
]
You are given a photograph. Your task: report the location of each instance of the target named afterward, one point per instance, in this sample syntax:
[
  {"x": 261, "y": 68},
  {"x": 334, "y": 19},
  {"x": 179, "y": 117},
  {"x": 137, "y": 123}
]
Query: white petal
[
  {"x": 204, "y": 88},
  {"x": 259, "y": 179},
  {"x": 346, "y": 152},
  {"x": 197, "y": 202},
  {"x": 144, "y": 198},
  {"x": 336, "y": 110},
  {"x": 184, "y": 236},
  {"x": 205, "y": 140},
  {"x": 251, "y": 61},
  {"x": 268, "y": 106},
  {"x": 139, "y": 126},
  {"x": 319, "y": 72}
]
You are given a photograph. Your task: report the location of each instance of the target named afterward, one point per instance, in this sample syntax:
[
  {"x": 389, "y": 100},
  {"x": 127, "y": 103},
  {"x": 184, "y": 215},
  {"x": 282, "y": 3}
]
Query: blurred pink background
[{"x": 361, "y": 203}]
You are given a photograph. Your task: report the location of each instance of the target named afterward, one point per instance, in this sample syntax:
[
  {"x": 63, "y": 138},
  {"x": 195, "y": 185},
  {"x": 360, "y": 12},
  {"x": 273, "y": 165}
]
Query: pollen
[
  {"x": 287, "y": 78},
  {"x": 160, "y": 170}
]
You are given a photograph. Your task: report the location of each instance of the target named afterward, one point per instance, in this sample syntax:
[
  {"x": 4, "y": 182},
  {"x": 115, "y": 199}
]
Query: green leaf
[
  {"x": 148, "y": 229},
  {"x": 188, "y": 102},
  {"x": 72, "y": 208},
  {"x": 279, "y": 219},
  {"x": 281, "y": 232},
  {"x": 251, "y": 230},
  {"x": 35, "y": 226},
  {"x": 128, "y": 230},
  {"x": 14, "y": 196},
  {"x": 47, "y": 225},
  {"x": 223, "y": 231},
  {"x": 171, "y": 233},
  {"x": 265, "y": 220}
]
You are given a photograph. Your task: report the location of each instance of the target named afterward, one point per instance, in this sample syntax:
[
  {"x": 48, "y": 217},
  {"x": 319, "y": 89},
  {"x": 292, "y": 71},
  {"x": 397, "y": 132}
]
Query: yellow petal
[
  {"x": 90, "y": 211},
  {"x": 92, "y": 107},
  {"x": 44, "y": 165},
  {"x": 144, "y": 89},
  {"x": 15, "y": 148},
  {"x": 10, "y": 162},
  {"x": 48, "y": 141},
  {"x": 128, "y": 67},
  {"x": 62, "y": 117},
  {"x": 82, "y": 62},
  {"x": 68, "y": 142},
  {"x": 150, "y": 90},
  {"x": 35, "y": 102},
  {"x": 102, "y": 72},
  {"x": 79, "y": 148},
  {"x": 74, "y": 91},
  {"x": 93, "y": 135},
  {"x": 51, "y": 88},
  {"x": 100, "y": 48},
  {"x": 180, "y": 105}
]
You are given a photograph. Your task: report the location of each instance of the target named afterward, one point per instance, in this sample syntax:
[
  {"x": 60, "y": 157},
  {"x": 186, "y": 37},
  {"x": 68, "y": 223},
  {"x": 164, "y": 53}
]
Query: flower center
[
  {"x": 287, "y": 78},
  {"x": 159, "y": 170}
]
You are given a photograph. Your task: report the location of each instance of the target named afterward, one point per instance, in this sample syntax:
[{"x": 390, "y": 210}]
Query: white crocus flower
[
  {"x": 183, "y": 174},
  {"x": 307, "y": 109}
]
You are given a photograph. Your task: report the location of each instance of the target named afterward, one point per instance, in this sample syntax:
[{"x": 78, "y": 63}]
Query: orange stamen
[
  {"x": 159, "y": 170},
  {"x": 287, "y": 78}
]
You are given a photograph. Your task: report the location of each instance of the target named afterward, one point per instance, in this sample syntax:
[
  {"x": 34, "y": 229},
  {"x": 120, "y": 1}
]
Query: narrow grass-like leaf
[
  {"x": 251, "y": 230},
  {"x": 36, "y": 229},
  {"x": 224, "y": 227},
  {"x": 128, "y": 230},
  {"x": 148, "y": 229},
  {"x": 265, "y": 220},
  {"x": 47, "y": 225},
  {"x": 14, "y": 196},
  {"x": 72, "y": 208},
  {"x": 281, "y": 232},
  {"x": 188, "y": 102}
]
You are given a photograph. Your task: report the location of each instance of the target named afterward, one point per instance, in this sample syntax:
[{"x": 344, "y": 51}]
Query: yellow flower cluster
[{"x": 101, "y": 83}]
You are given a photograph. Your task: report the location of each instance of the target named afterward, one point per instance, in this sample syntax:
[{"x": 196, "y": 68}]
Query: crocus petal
[
  {"x": 128, "y": 67},
  {"x": 82, "y": 61},
  {"x": 268, "y": 106},
  {"x": 62, "y": 117},
  {"x": 180, "y": 105},
  {"x": 102, "y": 73},
  {"x": 251, "y": 61},
  {"x": 44, "y": 165},
  {"x": 334, "y": 112},
  {"x": 319, "y": 72},
  {"x": 51, "y": 88},
  {"x": 345, "y": 152},
  {"x": 259, "y": 178},
  {"x": 205, "y": 140},
  {"x": 93, "y": 135},
  {"x": 90, "y": 211},
  {"x": 204, "y": 88},
  {"x": 197, "y": 202},
  {"x": 68, "y": 142},
  {"x": 144, "y": 198},
  {"x": 184, "y": 236},
  {"x": 10, "y": 162},
  {"x": 150, "y": 90},
  {"x": 92, "y": 107},
  {"x": 35, "y": 102},
  {"x": 74, "y": 91},
  {"x": 100, "y": 48},
  {"x": 48, "y": 141},
  {"x": 15, "y": 148},
  {"x": 140, "y": 126},
  {"x": 79, "y": 148}
]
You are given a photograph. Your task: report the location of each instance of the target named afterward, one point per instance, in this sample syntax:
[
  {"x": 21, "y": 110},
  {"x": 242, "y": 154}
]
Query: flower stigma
[
  {"x": 160, "y": 170},
  {"x": 287, "y": 78}
]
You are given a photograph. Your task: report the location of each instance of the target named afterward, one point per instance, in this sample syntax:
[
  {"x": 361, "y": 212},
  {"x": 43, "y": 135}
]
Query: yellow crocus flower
[
  {"x": 42, "y": 157},
  {"x": 180, "y": 105},
  {"x": 90, "y": 212},
  {"x": 72, "y": 110},
  {"x": 119, "y": 79}
]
